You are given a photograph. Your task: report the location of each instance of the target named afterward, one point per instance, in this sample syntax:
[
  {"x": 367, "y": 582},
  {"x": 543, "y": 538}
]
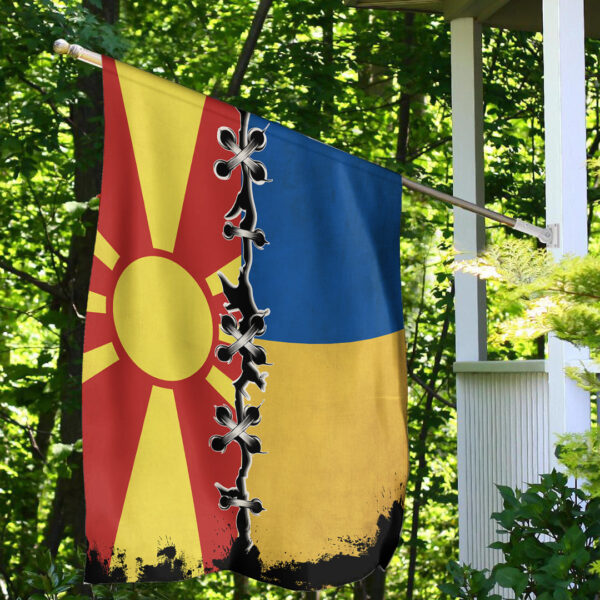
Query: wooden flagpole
[
  {"x": 548, "y": 236},
  {"x": 78, "y": 52}
]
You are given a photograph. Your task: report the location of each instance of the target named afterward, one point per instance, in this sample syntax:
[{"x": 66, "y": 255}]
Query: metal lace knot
[
  {"x": 237, "y": 431},
  {"x": 229, "y": 325},
  {"x": 257, "y": 140},
  {"x": 231, "y": 497},
  {"x": 257, "y": 235}
]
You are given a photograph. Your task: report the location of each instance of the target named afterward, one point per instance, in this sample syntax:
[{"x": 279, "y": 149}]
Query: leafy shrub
[
  {"x": 553, "y": 539},
  {"x": 469, "y": 583},
  {"x": 552, "y": 550}
]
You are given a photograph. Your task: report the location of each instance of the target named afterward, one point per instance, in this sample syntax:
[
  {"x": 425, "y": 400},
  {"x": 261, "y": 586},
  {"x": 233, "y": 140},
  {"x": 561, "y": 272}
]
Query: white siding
[{"x": 503, "y": 421}]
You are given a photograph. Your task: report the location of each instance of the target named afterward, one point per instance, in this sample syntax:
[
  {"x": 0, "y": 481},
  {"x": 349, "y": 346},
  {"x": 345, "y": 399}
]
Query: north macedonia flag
[{"x": 244, "y": 384}]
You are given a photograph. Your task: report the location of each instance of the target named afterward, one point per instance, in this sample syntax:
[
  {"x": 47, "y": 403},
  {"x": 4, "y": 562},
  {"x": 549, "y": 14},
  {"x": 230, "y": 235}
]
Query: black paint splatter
[
  {"x": 99, "y": 570},
  {"x": 170, "y": 567},
  {"x": 328, "y": 571}
]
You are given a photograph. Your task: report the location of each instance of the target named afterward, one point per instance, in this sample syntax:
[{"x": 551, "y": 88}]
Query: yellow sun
[{"x": 157, "y": 291}]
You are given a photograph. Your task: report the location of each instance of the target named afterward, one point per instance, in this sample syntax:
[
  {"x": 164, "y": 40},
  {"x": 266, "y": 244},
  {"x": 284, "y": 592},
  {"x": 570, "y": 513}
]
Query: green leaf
[
  {"x": 508, "y": 495},
  {"x": 61, "y": 451},
  {"x": 75, "y": 208},
  {"x": 533, "y": 549},
  {"x": 451, "y": 589},
  {"x": 455, "y": 569},
  {"x": 573, "y": 538},
  {"x": 512, "y": 578}
]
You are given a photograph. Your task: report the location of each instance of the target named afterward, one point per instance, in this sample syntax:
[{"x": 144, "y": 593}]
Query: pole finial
[
  {"x": 61, "y": 46},
  {"x": 76, "y": 51}
]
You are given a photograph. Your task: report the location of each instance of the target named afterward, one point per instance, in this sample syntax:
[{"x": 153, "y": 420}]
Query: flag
[{"x": 244, "y": 382}]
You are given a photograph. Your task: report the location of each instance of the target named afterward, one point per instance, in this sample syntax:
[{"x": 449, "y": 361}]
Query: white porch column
[
  {"x": 467, "y": 150},
  {"x": 469, "y": 239},
  {"x": 566, "y": 184}
]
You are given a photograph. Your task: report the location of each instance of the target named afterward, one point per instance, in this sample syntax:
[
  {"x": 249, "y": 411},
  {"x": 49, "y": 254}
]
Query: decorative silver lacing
[{"x": 251, "y": 324}]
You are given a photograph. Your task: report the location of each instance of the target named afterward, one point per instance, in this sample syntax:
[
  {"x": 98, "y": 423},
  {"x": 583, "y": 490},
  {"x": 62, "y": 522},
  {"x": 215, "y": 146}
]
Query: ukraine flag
[{"x": 244, "y": 381}]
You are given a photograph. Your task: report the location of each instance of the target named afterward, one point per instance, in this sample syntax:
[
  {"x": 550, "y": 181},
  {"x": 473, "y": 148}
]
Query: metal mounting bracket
[{"x": 549, "y": 236}]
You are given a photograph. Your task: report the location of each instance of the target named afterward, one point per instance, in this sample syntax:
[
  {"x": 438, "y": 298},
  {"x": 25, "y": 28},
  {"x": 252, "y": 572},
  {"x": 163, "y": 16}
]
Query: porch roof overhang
[{"x": 525, "y": 15}]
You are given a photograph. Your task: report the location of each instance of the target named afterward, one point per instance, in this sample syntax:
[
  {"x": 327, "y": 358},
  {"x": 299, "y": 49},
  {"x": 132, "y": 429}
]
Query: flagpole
[
  {"x": 78, "y": 52},
  {"x": 548, "y": 236}
]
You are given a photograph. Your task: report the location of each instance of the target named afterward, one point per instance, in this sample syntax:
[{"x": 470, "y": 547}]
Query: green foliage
[
  {"x": 326, "y": 70},
  {"x": 540, "y": 296},
  {"x": 561, "y": 297},
  {"x": 553, "y": 537},
  {"x": 337, "y": 74},
  {"x": 552, "y": 542},
  {"x": 516, "y": 262},
  {"x": 468, "y": 583},
  {"x": 50, "y": 581},
  {"x": 553, "y": 549},
  {"x": 580, "y": 455}
]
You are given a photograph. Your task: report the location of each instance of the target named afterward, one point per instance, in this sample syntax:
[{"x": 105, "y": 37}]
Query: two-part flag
[{"x": 230, "y": 248}]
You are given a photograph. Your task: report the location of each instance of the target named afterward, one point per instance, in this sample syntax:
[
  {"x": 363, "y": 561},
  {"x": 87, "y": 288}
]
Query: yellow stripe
[
  {"x": 164, "y": 119},
  {"x": 334, "y": 430},
  {"x": 98, "y": 359},
  {"x": 96, "y": 303},
  {"x": 222, "y": 384},
  {"x": 104, "y": 252},
  {"x": 231, "y": 270},
  {"x": 159, "y": 507}
]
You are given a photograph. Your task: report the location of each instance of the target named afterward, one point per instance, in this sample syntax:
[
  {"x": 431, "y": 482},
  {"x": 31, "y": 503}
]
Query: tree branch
[
  {"x": 248, "y": 49},
  {"x": 27, "y": 428},
  {"x": 53, "y": 290},
  {"x": 594, "y": 145},
  {"x": 418, "y": 495},
  {"x": 362, "y": 109},
  {"x": 430, "y": 390},
  {"x": 413, "y": 353},
  {"x": 54, "y": 253},
  {"x": 27, "y": 313},
  {"x": 41, "y": 91},
  {"x": 31, "y": 315},
  {"x": 432, "y": 146}
]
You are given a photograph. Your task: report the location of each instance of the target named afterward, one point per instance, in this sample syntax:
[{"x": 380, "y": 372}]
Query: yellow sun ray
[
  {"x": 164, "y": 150},
  {"x": 222, "y": 384},
  {"x": 230, "y": 270},
  {"x": 224, "y": 337},
  {"x": 96, "y": 303},
  {"x": 159, "y": 508},
  {"x": 98, "y": 359},
  {"x": 104, "y": 252}
]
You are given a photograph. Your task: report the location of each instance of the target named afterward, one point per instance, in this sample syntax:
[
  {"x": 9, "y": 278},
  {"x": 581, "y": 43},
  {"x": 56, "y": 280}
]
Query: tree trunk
[
  {"x": 405, "y": 97},
  {"x": 325, "y": 107},
  {"x": 240, "y": 587},
  {"x": 371, "y": 587},
  {"x": 403, "y": 126},
  {"x": 68, "y": 508}
]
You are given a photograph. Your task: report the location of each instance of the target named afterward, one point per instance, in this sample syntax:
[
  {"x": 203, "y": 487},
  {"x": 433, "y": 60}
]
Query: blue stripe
[{"x": 331, "y": 272}]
